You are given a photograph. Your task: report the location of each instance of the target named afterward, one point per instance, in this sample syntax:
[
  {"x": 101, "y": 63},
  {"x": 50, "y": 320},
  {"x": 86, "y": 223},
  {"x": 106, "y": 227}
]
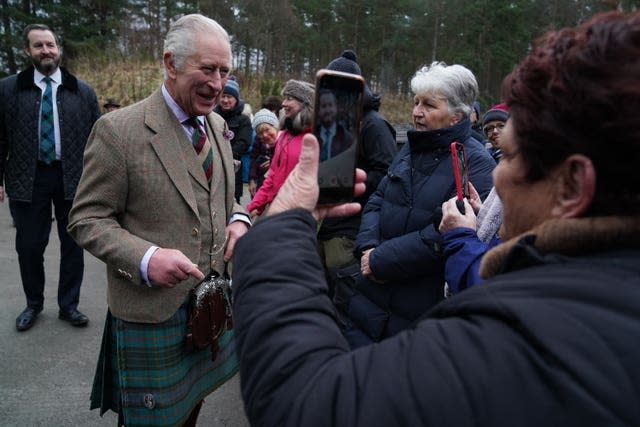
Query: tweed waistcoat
[{"x": 211, "y": 203}]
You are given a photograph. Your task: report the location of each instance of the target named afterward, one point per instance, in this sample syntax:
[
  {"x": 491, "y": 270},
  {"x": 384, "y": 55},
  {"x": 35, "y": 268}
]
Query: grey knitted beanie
[
  {"x": 302, "y": 91},
  {"x": 264, "y": 116}
]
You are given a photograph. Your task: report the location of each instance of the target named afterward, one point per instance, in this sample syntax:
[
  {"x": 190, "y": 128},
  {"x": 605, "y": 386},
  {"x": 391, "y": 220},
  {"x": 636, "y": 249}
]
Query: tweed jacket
[
  {"x": 19, "y": 142},
  {"x": 143, "y": 185}
]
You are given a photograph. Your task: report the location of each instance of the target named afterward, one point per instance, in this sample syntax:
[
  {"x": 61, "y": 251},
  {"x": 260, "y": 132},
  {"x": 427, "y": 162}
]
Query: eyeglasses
[{"x": 490, "y": 128}]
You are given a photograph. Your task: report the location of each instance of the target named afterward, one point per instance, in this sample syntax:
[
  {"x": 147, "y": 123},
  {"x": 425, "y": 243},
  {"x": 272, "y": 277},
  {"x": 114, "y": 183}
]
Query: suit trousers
[{"x": 33, "y": 226}]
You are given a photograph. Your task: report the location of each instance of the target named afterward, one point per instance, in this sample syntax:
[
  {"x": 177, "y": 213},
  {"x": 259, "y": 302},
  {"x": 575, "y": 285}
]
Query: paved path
[{"x": 46, "y": 372}]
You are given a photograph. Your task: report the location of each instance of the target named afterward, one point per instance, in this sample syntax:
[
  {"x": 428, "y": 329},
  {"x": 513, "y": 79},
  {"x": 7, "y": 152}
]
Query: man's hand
[
  {"x": 167, "y": 267},
  {"x": 452, "y": 218},
  {"x": 233, "y": 232},
  {"x": 1, "y": 193},
  {"x": 253, "y": 187},
  {"x": 300, "y": 190}
]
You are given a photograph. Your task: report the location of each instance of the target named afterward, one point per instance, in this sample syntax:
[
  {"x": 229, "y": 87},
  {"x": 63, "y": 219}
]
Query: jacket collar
[
  {"x": 440, "y": 138},
  {"x": 25, "y": 79},
  {"x": 569, "y": 237},
  {"x": 235, "y": 111}
]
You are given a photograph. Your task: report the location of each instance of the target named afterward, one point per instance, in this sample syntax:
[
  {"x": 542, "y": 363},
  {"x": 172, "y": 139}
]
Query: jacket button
[{"x": 194, "y": 231}]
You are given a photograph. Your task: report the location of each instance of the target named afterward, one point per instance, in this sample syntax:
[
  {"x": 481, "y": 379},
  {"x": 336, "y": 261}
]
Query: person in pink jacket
[{"x": 295, "y": 123}]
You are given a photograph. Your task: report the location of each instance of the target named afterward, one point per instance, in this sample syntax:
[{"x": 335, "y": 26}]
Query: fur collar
[
  {"x": 25, "y": 79},
  {"x": 572, "y": 237}
]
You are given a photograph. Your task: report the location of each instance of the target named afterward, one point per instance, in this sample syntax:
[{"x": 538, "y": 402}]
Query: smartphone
[
  {"x": 460, "y": 174},
  {"x": 336, "y": 124}
]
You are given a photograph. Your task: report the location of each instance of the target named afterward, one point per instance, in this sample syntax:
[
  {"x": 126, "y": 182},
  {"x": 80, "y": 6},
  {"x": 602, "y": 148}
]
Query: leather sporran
[{"x": 209, "y": 313}]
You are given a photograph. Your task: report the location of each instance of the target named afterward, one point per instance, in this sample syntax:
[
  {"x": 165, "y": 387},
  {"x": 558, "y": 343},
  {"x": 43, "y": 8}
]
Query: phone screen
[
  {"x": 336, "y": 125},
  {"x": 460, "y": 172}
]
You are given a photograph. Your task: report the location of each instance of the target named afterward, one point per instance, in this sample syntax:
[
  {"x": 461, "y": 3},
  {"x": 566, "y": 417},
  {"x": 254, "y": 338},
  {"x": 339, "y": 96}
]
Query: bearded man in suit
[
  {"x": 156, "y": 204},
  {"x": 334, "y": 137},
  {"x": 46, "y": 115}
]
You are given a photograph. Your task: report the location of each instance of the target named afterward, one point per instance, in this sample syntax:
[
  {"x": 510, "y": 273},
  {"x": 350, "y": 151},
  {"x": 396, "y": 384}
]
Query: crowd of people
[
  {"x": 398, "y": 308},
  {"x": 547, "y": 339}
]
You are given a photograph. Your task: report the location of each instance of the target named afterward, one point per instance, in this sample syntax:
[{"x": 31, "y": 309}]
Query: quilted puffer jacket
[
  {"x": 398, "y": 222},
  {"x": 20, "y": 98}
]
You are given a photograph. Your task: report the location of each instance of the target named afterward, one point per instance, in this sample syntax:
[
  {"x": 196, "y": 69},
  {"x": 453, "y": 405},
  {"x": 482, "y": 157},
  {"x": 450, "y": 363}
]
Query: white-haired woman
[{"x": 399, "y": 247}]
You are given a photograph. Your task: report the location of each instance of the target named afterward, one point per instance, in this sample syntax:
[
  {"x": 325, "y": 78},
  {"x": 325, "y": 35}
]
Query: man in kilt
[{"x": 156, "y": 204}]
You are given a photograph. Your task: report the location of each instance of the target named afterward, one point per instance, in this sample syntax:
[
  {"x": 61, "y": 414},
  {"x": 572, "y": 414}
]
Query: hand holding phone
[
  {"x": 460, "y": 174},
  {"x": 336, "y": 125},
  {"x": 450, "y": 216}
]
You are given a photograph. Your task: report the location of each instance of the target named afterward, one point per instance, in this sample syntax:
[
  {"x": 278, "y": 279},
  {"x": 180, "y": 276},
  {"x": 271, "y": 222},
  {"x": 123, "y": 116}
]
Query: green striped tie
[{"x": 47, "y": 137}]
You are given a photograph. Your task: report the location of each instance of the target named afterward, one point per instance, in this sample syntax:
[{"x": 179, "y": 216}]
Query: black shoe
[
  {"x": 27, "y": 318},
  {"x": 74, "y": 317}
]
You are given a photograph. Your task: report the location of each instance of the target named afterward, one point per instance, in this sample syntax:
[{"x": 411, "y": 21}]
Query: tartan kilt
[{"x": 146, "y": 376}]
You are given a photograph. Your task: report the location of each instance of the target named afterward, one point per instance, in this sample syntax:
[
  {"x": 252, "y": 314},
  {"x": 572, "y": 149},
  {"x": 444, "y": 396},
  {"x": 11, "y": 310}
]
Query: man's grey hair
[
  {"x": 181, "y": 37},
  {"x": 455, "y": 83}
]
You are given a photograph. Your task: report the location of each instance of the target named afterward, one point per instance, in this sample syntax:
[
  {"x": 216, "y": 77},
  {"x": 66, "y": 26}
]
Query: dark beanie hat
[
  {"x": 232, "y": 88},
  {"x": 497, "y": 112},
  {"x": 347, "y": 63}
]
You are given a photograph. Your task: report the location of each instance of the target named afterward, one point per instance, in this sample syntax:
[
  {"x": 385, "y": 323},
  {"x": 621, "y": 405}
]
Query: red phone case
[{"x": 457, "y": 151}]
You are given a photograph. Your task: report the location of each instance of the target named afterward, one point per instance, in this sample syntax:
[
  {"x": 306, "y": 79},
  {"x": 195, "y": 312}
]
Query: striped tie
[
  {"x": 47, "y": 137},
  {"x": 202, "y": 146}
]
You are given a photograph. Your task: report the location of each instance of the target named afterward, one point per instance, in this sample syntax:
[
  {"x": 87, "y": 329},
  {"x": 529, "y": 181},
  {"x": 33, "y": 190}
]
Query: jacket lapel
[
  {"x": 222, "y": 167},
  {"x": 170, "y": 143}
]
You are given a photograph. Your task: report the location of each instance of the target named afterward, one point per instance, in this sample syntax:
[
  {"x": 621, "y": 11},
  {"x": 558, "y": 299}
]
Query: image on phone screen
[{"x": 336, "y": 125}]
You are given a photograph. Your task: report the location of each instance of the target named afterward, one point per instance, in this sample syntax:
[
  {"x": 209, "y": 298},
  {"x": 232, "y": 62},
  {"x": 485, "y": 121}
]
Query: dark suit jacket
[
  {"x": 143, "y": 185},
  {"x": 340, "y": 142}
]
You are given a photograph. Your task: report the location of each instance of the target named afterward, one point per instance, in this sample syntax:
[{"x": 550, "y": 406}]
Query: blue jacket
[
  {"x": 463, "y": 252},
  {"x": 398, "y": 222}
]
